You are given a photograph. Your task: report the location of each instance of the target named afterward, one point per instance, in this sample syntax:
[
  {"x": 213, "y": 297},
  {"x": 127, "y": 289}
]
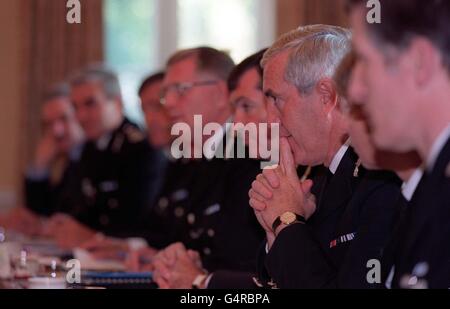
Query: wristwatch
[{"x": 287, "y": 218}]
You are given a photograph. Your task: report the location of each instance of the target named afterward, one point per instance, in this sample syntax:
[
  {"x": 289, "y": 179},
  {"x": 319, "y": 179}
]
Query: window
[
  {"x": 240, "y": 27},
  {"x": 142, "y": 34},
  {"x": 130, "y": 35},
  {"x": 228, "y": 25}
]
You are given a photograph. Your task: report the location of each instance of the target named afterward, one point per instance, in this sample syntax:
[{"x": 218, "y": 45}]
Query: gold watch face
[{"x": 288, "y": 217}]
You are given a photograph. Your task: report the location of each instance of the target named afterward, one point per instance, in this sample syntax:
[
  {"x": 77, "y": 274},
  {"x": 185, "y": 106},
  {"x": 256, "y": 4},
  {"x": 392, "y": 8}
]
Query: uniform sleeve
[
  {"x": 140, "y": 181},
  {"x": 38, "y": 195},
  {"x": 240, "y": 219},
  {"x": 376, "y": 226},
  {"x": 296, "y": 260}
]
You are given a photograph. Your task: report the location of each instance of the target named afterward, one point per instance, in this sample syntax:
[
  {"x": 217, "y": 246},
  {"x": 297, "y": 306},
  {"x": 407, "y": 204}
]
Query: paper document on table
[{"x": 88, "y": 262}]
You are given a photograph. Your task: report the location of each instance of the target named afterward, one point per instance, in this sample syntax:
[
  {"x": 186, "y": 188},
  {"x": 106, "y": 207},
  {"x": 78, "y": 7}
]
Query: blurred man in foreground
[{"x": 402, "y": 80}]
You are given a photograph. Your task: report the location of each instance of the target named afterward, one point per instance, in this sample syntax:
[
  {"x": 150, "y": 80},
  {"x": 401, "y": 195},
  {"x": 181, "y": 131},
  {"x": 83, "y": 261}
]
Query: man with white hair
[{"x": 320, "y": 233}]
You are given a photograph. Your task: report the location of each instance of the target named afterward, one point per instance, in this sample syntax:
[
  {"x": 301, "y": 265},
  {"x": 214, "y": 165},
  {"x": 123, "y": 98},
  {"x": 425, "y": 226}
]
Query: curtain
[
  {"x": 54, "y": 49},
  {"x": 293, "y": 13}
]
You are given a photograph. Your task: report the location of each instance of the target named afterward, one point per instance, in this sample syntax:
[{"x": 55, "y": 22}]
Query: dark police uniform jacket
[
  {"x": 117, "y": 181},
  {"x": 231, "y": 279},
  {"x": 204, "y": 204},
  {"x": 45, "y": 197},
  {"x": 422, "y": 258},
  {"x": 352, "y": 224}
]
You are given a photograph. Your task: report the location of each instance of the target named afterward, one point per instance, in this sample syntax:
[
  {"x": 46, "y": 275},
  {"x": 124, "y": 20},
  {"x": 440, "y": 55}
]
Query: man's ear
[
  {"x": 426, "y": 61},
  {"x": 326, "y": 90}
]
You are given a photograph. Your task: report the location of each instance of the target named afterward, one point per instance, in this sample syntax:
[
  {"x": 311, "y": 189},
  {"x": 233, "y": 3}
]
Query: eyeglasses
[{"x": 180, "y": 89}]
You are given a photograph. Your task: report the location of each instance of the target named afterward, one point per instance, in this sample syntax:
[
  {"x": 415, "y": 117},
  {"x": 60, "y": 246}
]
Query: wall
[
  {"x": 11, "y": 82},
  {"x": 293, "y": 13}
]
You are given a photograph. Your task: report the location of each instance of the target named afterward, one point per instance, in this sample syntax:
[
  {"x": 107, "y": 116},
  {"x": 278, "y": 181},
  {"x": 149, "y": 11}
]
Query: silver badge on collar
[
  {"x": 179, "y": 195},
  {"x": 212, "y": 209}
]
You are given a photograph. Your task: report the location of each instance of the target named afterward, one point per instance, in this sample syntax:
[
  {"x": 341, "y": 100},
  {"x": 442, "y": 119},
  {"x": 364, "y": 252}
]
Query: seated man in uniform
[
  {"x": 320, "y": 233},
  {"x": 119, "y": 172},
  {"x": 158, "y": 132},
  {"x": 199, "y": 206},
  {"x": 49, "y": 180},
  {"x": 402, "y": 79},
  {"x": 248, "y": 107}
]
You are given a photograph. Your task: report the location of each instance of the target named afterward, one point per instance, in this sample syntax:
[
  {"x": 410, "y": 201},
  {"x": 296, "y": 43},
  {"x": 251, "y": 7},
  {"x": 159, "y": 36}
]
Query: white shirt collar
[
  {"x": 409, "y": 186},
  {"x": 338, "y": 157},
  {"x": 436, "y": 149}
]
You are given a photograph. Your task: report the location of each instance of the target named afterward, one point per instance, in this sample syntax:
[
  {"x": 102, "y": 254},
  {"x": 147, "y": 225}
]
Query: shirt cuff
[
  {"x": 136, "y": 243},
  {"x": 208, "y": 279}
]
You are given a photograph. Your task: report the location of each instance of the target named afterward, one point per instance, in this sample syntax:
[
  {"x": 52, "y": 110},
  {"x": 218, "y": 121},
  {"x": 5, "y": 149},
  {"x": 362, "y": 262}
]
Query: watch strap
[{"x": 298, "y": 219}]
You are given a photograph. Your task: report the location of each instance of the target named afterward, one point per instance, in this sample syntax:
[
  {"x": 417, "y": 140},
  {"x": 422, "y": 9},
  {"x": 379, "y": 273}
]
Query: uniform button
[
  {"x": 211, "y": 232},
  {"x": 180, "y": 195},
  {"x": 193, "y": 235},
  {"x": 163, "y": 202},
  {"x": 113, "y": 203},
  {"x": 179, "y": 212},
  {"x": 206, "y": 251},
  {"x": 191, "y": 218},
  {"x": 104, "y": 220},
  {"x": 87, "y": 188}
]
